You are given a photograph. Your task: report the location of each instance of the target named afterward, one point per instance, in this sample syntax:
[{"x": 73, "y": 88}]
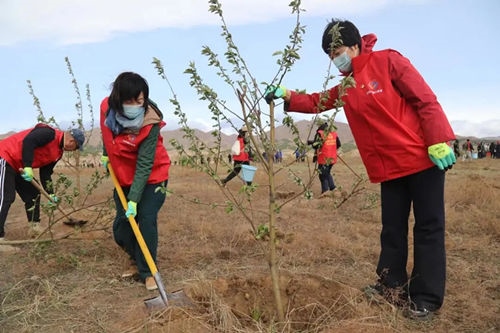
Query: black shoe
[
  {"x": 418, "y": 313},
  {"x": 395, "y": 296}
]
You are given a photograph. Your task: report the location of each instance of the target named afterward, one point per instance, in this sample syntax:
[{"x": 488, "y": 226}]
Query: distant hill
[
  {"x": 6, "y": 134},
  {"x": 476, "y": 139},
  {"x": 284, "y": 137}
]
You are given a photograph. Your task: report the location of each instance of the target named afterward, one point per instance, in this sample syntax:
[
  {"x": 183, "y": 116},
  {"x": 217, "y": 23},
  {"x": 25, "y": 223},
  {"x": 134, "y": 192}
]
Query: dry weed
[{"x": 327, "y": 254}]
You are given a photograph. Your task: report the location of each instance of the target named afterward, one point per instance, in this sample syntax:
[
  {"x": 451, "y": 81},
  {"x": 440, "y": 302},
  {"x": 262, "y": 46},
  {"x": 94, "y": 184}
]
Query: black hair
[
  {"x": 340, "y": 32},
  {"x": 127, "y": 86}
]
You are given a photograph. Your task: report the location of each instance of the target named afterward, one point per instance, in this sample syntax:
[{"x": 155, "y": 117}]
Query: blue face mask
[
  {"x": 343, "y": 62},
  {"x": 132, "y": 111}
]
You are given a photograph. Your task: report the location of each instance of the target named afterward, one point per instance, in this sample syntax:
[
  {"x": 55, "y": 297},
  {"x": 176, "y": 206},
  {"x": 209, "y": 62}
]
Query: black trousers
[
  {"x": 147, "y": 219},
  {"x": 325, "y": 177},
  {"x": 10, "y": 182},
  {"x": 425, "y": 190},
  {"x": 236, "y": 170}
]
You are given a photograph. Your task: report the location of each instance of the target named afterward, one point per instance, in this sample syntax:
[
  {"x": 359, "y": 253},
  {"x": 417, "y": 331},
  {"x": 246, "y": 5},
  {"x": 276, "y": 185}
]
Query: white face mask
[
  {"x": 132, "y": 111},
  {"x": 343, "y": 62}
]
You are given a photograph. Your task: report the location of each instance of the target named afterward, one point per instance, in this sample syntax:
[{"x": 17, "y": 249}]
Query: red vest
[
  {"x": 11, "y": 149},
  {"x": 123, "y": 148},
  {"x": 243, "y": 156},
  {"x": 327, "y": 154}
]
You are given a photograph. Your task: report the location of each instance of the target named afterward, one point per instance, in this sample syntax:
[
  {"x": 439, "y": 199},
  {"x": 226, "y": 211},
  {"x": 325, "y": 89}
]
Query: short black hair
[
  {"x": 340, "y": 32},
  {"x": 323, "y": 126},
  {"x": 127, "y": 86}
]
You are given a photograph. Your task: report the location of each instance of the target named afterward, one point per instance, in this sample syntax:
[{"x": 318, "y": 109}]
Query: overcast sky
[{"x": 451, "y": 42}]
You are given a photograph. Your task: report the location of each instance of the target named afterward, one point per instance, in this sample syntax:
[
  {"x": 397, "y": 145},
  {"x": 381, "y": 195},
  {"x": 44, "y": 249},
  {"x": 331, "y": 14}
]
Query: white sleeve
[{"x": 235, "y": 149}]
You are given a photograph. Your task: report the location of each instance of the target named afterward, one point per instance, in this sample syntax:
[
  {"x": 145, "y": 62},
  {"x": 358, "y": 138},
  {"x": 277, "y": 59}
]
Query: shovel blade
[
  {"x": 155, "y": 303},
  {"x": 73, "y": 222},
  {"x": 177, "y": 298}
]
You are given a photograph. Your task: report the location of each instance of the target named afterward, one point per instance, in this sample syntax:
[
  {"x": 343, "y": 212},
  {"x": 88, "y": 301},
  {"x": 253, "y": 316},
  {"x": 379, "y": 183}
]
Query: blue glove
[
  {"x": 105, "y": 161},
  {"x": 132, "y": 209},
  {"x": 53, "y": 200},
  {"x": 27, "y": 174},
  {"x": 273, "y": 92},
  {"x": 442, "y": 155}
]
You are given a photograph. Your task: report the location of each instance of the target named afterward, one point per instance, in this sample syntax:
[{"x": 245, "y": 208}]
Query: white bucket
[{"x": 247, "y": 172}]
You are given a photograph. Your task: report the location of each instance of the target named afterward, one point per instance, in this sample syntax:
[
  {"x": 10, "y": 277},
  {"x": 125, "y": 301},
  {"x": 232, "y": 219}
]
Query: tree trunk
[{"x": 273, "y": 260}]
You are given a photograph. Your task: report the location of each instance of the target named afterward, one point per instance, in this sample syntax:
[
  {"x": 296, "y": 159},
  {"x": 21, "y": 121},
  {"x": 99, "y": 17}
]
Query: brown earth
[{"x": 328, "y": 250}]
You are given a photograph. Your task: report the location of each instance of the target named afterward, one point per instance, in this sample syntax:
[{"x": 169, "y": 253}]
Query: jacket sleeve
[
  {"x": 318, "y": 141},
  {"x": 46, "y": 177},
  {"x": 145, "y": 161},
  {"x": 312, "y": 103},
  {"x": 413, "y": 88},
  {"x": 38, "y": 137}
]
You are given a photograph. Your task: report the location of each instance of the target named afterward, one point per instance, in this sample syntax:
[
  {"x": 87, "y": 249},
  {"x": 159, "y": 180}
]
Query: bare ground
[{"x": 328, "y": 249}]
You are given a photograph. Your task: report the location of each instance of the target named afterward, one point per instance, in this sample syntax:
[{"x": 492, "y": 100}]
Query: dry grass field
[{"x": 328, "y": 250}]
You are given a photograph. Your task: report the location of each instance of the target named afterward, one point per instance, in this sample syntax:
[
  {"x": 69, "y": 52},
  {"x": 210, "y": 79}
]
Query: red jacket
[
  {"x": 123, "y": 148},
  {"x": 11, "y": 150},
  {"x": 327, "y": 154},
  {"x": 243, "y": 156},
  {"x": 393, "y": 114}
]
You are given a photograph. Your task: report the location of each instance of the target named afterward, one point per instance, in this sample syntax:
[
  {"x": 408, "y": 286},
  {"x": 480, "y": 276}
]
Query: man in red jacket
[
  {"x": 326, "y": 142},
  {"x": 39, "y": 147},
  {"x": 401, "y": 132},
  {"x": 241, "y": 154}
]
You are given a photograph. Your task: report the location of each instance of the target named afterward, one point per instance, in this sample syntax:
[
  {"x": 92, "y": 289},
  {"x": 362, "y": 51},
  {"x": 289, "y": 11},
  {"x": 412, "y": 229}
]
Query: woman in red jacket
[
  {"x": 401, "y": 132},
  {"x": 130, "y": 126}
]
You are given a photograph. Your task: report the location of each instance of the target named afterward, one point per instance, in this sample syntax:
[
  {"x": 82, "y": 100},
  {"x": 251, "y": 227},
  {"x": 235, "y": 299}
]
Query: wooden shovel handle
[
  {"x": 40, "y": 188},
  {"x": 133, "y": 224}
]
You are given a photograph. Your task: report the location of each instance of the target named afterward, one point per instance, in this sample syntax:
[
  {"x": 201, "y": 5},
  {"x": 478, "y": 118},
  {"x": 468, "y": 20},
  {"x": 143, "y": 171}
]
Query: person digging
[{"x": 40, "y": 147}]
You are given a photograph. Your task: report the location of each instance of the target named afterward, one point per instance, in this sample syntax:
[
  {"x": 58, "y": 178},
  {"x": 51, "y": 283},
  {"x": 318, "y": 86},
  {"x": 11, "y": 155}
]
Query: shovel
[
  {"x": 158, "y": 302},
  {"x": 70, "y": 220}
]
